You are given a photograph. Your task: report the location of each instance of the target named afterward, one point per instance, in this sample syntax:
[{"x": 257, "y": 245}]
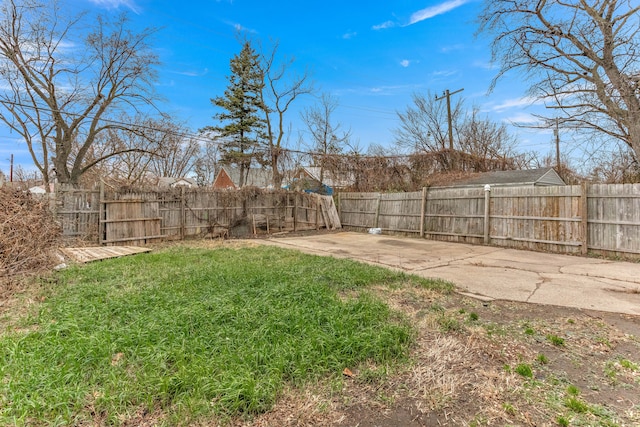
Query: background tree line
[{"x": 91, "y": 112}]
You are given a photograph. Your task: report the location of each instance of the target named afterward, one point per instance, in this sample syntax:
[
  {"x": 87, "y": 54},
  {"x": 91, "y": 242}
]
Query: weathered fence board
[
  {"x": 565, "y": 219},
  {"x": 138, "y": 217},
  {"x": 77, "y": 210},
  {"x": 614, "y": 217}
]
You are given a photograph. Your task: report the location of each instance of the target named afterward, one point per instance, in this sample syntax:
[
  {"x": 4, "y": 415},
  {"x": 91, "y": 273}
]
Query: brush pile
[{"x": 29, "y": 234}]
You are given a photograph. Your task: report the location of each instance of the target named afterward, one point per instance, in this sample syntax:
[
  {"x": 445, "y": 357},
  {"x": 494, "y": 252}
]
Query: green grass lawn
[{"x": 197, "y": 333}]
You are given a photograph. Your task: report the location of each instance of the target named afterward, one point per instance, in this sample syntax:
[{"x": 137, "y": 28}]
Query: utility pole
[
  {"x": 11, "y": 170},
  {"x": 447, "y": 95},
  {"x": 557, "y": 134}
]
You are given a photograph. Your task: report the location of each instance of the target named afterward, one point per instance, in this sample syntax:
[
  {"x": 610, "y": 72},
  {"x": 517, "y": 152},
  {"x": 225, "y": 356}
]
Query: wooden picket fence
[
  {"x": 565, "y": 219},
  {"x": 113, "y": 217}
]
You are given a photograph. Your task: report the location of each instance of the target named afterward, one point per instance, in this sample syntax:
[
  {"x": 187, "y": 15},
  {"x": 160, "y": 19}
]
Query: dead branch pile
[{"x": 29, "y": 233}]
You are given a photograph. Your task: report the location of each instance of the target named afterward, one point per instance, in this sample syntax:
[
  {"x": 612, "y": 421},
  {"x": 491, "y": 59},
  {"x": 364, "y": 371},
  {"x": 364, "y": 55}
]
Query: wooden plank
[{"x": 90, "y": 254}]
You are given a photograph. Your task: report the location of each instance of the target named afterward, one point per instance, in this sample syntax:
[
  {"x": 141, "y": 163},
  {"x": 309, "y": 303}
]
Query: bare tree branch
[
  {"x": 583, "y": 56},
  {"x": 62, "y": 84}
]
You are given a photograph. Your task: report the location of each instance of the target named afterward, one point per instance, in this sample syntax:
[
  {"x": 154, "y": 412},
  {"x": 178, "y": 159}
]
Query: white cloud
[
  {"x": 384, "y": 25},
  {"x": 240, "y": 28},
  {"x": 485, "y": 65},
  {"x": 447, "y": 49},
  {"x": 115, "y": 4},
  {"x": 521, "y": 118},
  {"x": 444, "y": 73},
  {"x": 405, "y": 63},
  {"x": 190, "y": 73},
  {"x": 349, "y": 35},
  {"x": 436, "y": 10},
  {"x": 508, "y": 104}
]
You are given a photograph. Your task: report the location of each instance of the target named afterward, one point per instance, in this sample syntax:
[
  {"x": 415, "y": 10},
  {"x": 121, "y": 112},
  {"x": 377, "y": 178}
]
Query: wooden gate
[{"x": 131, "y": 219}]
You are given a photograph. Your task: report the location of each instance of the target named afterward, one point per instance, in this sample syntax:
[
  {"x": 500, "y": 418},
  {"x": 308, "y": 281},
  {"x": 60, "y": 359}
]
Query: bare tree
[
  {"x": 488, "y": 141},
  {"x": 150, "y": 149},
  {"x": 480, "y": 143},
  {"x": 206, "y": 164},
  {"x": 582, "y": 56},
  {"x": 176, "y": 149},
  {"x": 62, "y": 85},
  {"x": 131, "y": 166},
  {"x": 280, "y": 91},
  {"x": 423, "y": 126},
  {"x": 326, "y": 136},
  {"x": 619, "y": 167}
]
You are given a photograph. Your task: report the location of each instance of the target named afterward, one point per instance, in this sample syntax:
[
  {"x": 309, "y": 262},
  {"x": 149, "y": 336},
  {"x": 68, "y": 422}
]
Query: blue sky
[{"x": 370, "y": 55}]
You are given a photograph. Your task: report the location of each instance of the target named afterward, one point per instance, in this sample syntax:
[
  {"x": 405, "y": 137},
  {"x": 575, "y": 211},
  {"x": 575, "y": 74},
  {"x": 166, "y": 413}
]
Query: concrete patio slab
[{"x": 490, "y": 272}]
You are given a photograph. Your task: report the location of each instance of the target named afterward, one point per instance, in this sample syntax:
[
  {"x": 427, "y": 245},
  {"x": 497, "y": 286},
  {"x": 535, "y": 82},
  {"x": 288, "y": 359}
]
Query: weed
[
  {"x": 573, "y": 390},
  {"x": 509, "y": 408},
  {"x": 372, "y": 375},
  {"x": 529, "y": 331},
  {"x": 524, "y": 370},
  {"x": 562, "y": 421},
  {"x": 495, "y": 329},
  {"x": 571, "y": 321},
  {"x": 627, "y": 364},
  {"x": 555, "y": 340},
  {"x": 449, "y": 324},
  {"x": 610, "y": 371},
  {"x": 576, "y": 405},
  {"x": 542, "y": 359},
  {"x": 437, "y": 308},
  {"x": 604, "y": 341},
  {"x": 473, "y": 316}
]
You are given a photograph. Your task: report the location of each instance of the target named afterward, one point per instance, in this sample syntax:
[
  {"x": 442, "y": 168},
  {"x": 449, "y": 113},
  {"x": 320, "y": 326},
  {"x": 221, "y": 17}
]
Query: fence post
[
  {"x": 182, "y": 213},
  {"x": 487, "y": 204},
  {"x": 423, "y": 210},
  {"x": 295, "y": 211},
  {"x": 101, "y": 215},
  {"x": 318, "y": 211},
  {"x": 378, "y": 211},
  {"x": 584, "y": 205}
]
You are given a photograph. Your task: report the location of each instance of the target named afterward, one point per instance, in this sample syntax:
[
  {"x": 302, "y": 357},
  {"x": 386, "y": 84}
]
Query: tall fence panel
[
  {"x": 614, "y": 217},
  {"x": 359, "y": 209},
  {"x": 400, "y": 211},
  {"x": 564, "y": 219},
  {"x": 455, "y": 214},
  {"x": 537, "y": 218}
]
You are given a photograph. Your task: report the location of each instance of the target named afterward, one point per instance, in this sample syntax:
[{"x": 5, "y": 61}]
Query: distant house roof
[
  {"x": 176, "y": 182},
  {"x": 333, "y": 180},
  {"x": 529, "y": 177},
  {"x": 229, "y": 177},
  {"x": 38, "y": 189}
]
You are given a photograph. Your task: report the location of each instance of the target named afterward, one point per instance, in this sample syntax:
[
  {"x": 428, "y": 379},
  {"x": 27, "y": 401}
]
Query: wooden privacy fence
[
  {"x": 114, "y": 217},
  {"x": 565, "y": 219}
]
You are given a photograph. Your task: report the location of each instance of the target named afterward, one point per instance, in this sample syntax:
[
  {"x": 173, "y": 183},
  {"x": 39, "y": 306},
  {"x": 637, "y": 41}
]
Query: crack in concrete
[
  {"x": 538, "y": 286},
  {"x": 595, "y": 276},
  {"x": 449, "y": 262}
]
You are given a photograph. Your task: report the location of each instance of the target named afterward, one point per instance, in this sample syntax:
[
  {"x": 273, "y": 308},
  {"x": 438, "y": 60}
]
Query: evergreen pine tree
[{"x": 243, "y": 128}]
